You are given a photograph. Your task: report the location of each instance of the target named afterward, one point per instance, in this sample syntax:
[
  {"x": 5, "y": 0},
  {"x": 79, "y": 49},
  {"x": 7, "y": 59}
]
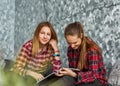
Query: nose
[
  {"x": 72, "y": 45},
  {"x": 45, "y": 36}
]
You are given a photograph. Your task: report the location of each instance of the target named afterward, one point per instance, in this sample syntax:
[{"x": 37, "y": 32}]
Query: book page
[
  {"x": 50, "y": 75},
  {"x": 75, "y": 69}
]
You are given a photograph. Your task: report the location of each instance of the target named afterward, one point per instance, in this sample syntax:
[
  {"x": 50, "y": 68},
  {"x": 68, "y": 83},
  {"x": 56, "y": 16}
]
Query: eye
[
  {"x": 48, "y": 34},
  {"x": 74, "y": 42},
  {"x": 42, "y": 33}
]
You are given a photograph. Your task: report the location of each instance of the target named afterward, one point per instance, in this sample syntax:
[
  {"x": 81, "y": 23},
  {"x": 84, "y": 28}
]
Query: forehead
[
  {"x": 71, "y": 38},
  {"x": 45, "y": 28}
]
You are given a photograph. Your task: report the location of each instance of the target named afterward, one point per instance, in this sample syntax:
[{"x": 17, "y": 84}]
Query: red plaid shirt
[
  {"x": 26, "y": 61},
  {"x": 95, "y": 66}
]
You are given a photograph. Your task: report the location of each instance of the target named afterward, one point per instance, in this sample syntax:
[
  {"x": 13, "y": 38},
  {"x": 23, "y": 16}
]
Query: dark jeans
[
  {"x": 63, "y": 81},
  {"x": 95, "y": 83},
  {"x": 57, "y": 81}
]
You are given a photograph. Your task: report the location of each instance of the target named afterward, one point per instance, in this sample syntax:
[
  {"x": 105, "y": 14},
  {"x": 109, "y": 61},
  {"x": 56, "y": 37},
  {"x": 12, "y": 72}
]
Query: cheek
[
  {"x": 40, "y": 35},
  {"x": 49, "y": 37},
  {"x": 79, "y": 43}
]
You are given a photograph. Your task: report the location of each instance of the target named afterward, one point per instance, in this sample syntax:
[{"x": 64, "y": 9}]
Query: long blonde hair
[
  {"x": 36, "y": 43},
  {"x": 77, "y": 29}
]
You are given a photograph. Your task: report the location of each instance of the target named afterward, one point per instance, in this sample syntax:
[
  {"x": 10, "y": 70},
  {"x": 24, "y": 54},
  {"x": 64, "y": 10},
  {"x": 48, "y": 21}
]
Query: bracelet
[{"x": 55, "y": 55}]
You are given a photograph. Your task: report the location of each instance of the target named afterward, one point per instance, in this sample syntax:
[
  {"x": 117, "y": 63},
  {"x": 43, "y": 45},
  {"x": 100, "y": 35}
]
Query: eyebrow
[{"x": 71, "y": 42}]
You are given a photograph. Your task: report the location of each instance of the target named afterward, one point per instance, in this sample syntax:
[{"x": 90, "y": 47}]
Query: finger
[
  {"x": 41, "y": 76},
  {"x": 63, "y": 72},
  {"x": 64, "y": 69},
  {"x": 59, "y": 74}
]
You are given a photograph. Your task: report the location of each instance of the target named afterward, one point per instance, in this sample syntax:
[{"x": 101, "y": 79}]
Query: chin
[
  {"x": 44, "y": 43},
  {"x": 75, "y": 48}
]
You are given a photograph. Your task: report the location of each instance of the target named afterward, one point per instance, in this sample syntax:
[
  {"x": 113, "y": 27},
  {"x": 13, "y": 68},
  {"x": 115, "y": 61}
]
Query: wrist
[
  {"x": 74, "y": 75},
  {"x": 29, "y": 72},
  {"x": 56, "y": 55},
  {"x": 56, "y": 48},
  {"x": 56, "y": 51}
]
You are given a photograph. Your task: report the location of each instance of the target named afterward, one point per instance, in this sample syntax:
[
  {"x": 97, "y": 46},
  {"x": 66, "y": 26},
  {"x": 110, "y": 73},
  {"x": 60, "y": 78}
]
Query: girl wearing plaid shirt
[
  {"x": 36, "y": 55},
  {"x": 83, "y": 54}
]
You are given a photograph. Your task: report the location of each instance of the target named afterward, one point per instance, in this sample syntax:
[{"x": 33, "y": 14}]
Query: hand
[
  {"x": 35, "y": 75},
  {"x": 58, "y": 73},
  {"x": 54, "y": 44},
  {"x": 67, "y": 71}
]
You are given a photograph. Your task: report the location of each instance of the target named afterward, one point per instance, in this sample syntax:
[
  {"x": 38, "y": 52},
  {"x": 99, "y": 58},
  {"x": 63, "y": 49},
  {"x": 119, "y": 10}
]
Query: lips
[{"x": 43, "y": 40}]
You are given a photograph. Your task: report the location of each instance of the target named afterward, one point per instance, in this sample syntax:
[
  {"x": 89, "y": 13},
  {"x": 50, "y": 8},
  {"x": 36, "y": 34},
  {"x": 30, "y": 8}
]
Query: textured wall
[
  {"x": 7, "y": 17},
  {"x": 100, "y": 19},
  {"x": 28, "y": 14}
]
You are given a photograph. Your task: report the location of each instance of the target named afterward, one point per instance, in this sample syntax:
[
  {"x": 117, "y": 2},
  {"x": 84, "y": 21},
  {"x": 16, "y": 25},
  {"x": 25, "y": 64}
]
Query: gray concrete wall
[{"x": 7, "y": 18}]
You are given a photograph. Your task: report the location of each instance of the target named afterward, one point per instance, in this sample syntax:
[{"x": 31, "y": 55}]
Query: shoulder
[
  {"x": 89, "y": 40},
  {"x": 27, "y": 44},
  {"x": 93, "y": 51}
]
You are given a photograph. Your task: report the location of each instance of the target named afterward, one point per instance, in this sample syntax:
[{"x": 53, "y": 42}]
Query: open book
[
  {"x": 51, "y": 75},
  {"x": 74, "y": 69}
]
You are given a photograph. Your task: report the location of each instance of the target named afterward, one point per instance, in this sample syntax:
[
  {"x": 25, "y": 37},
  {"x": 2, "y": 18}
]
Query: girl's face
[
  {"x": 73, "y": 41},
  {"x": 45, "y": 35}
]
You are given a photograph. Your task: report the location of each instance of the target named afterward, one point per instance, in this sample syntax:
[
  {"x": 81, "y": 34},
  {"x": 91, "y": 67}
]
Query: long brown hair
[
  {"x": 36, "y": 43},
  {"x": 86, "y": 43}
]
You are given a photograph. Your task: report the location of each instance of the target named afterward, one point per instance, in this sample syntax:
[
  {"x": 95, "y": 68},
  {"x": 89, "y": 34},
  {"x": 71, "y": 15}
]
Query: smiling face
[
  {"x": 74, "y": 41},
  {"x": 44, "y": 35}
]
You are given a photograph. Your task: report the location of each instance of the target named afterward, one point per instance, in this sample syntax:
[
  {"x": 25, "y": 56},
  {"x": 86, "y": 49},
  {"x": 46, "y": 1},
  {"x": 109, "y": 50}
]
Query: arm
[
  {"x": 93, "y": 68},
  {"x": 56, "y": 59},
  {"x": 35, "y": 75},
  {"x": 21, "y": 62}
]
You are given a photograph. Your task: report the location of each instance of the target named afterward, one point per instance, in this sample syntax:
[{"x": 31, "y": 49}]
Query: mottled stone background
[
  {"x": 100, "y": 18},
  {"x": 7, "y": 26}
]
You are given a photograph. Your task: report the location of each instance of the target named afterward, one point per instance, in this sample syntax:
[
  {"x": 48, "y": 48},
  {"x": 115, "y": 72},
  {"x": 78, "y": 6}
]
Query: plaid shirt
[
  {"x": 40, "y": 63},
  {"x": 94, "y": 63}
]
